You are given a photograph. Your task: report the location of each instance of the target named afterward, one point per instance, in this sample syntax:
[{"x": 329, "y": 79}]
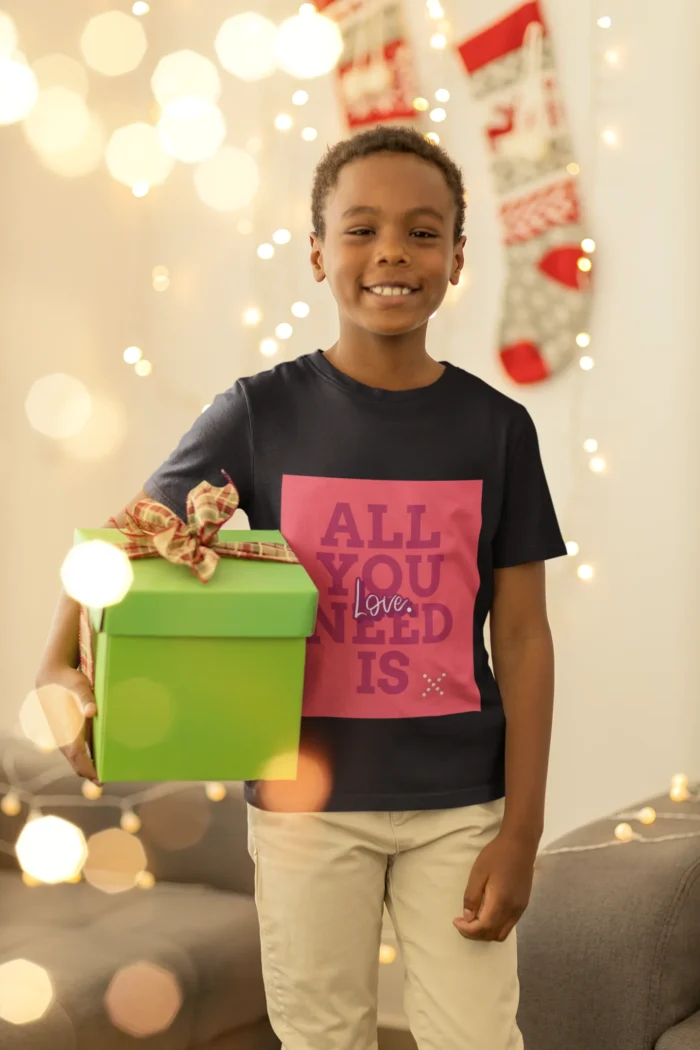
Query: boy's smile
[{"x": 389, "y": 250}]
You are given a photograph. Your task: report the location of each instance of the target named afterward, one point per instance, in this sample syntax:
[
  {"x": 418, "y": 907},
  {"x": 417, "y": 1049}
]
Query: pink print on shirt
[{"x": 395, "y": 564}]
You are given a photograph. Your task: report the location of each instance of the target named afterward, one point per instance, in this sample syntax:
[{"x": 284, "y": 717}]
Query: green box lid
[{"x": 245, "y": 598}]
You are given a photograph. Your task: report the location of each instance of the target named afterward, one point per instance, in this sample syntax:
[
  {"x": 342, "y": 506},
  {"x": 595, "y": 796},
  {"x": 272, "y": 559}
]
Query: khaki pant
[{"x": 321, "y": 881}]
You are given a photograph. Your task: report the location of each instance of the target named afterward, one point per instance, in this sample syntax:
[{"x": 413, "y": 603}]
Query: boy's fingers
[{"x": 80, "y": 760}]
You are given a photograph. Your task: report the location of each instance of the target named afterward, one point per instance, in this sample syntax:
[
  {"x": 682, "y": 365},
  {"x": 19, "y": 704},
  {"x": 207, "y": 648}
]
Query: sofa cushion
[
  {"x": 609, "y": 947},
  {"x": 208, "y": 939}
]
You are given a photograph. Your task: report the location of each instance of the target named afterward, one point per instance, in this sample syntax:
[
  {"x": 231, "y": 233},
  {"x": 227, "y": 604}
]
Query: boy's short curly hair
[{"x": 383, "y": 139}]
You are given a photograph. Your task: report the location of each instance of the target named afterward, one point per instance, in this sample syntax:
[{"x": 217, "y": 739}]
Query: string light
[
  {"x": 283, "y": 122},
  {"x": 587, "y": 363},
  {"x": 387, "y": 954},
  {"x": 438, "y": 115},
  {"x": 265, "y": 251},
  {"x": 215, "y": 791},
  {"x": 309, "y": 134},
  {"x": 130, "y": 822},
  {"x": 300, "y": 98},
  {"x": 281, "y": 236}
]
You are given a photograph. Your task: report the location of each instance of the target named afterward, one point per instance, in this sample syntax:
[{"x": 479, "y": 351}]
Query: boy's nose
[{"x": 392, "y": 253}]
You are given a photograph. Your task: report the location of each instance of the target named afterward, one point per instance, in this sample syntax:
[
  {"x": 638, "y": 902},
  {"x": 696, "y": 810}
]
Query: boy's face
[{"x": 389, "y": 222}]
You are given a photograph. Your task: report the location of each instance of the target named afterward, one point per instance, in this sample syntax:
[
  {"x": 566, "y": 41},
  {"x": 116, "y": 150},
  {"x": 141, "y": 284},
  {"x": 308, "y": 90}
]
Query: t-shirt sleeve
[
  {"x": 219, "y": 439},
  {"x": 528, "y": 529}
]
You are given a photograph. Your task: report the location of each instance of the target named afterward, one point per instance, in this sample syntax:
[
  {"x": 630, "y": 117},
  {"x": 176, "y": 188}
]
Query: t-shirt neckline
[{"x": 329, "y": 372}]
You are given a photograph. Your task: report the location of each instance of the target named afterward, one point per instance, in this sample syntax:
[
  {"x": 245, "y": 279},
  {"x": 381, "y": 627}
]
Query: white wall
[{"x": 75, "y": 290}]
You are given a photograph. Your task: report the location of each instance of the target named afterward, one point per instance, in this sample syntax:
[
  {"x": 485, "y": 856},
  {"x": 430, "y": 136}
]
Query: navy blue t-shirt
[{"x": 400, "y": 505}]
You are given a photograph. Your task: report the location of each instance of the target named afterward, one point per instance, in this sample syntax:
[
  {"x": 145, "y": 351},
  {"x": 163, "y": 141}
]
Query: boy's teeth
[{"x": 385, "y": 289}]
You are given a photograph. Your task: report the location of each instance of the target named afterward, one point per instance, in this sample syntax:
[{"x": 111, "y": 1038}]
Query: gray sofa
[{"x": 609, "y": 946}]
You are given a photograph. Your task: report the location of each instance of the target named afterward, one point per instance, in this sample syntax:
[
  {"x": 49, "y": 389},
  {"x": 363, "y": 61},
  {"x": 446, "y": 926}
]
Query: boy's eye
[{"x": 420, "y": 234}]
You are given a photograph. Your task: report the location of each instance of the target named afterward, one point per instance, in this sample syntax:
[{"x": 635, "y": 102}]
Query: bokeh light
[
  {"x": 11, "y": 804},
  {"x": 132, "y": 354},
  {"x": 8, "y": 36},
  {"x": 143, "y": 368},
  {"x": 26, "y": 991},
  {"x": 245, "y": 46},
  {"x": 300, "y": 98},
  {"x": 227, "y": 181},
  {"x": 113, "y": 43},
  {"x": 215, "y": 791},
  {"x": 58, "y": 70},
  {"x": 268, "y": 347},
  {"x": 146, "y": 880},
  {"x": 186, "y": 74},
  {"x": 307, "y": 791},
  {"x": 177, "y": 821},
  {"x": 161, "y": 280},
  {"x": 283, "y": 122},
  {"x": 252, "y": 317},
  {"x": 19, "y": 90},
  {"x": 59, "y": 121},
  {"x": 265, "y": 251},
  {"x": 308, "y": 45},
  {"x": 283, "y": 331},
  {"x": 91, "y": 791},
  {"x": 114, "y": 860},
  {"x": 309, "y": 134},
  {"x": 51, "y": 849},
  {"x": 143, "y": 999},
  {"x": 97, "y": 574},
  {"x": 281, "y": 236},
  {"x": 301, "y": 309},
  {"x": 387, "y": 954},
  {"x": 191, "y": 129},
  {"x": 58, "y": 405},
  {"x": 135, "y": 154},
  {"x": 102, "y": 436},
  {"x": 51, "y": 717},
  {"x": 83, "y": 158}
]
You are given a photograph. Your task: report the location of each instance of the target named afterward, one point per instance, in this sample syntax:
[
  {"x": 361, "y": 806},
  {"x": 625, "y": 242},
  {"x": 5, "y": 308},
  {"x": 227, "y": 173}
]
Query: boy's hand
[
  {"x": 67, "y": 700},
  {"x": 498, "y": 890}
]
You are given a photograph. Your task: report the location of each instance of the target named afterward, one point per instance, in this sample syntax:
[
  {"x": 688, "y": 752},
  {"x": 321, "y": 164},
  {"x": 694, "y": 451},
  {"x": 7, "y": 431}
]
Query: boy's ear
[
  {"x": 458, "y": 260},
  {"x": 317, "y": 258}
]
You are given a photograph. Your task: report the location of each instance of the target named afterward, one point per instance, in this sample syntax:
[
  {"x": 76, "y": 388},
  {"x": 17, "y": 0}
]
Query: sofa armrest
[{"x": 683, "y": 1036}]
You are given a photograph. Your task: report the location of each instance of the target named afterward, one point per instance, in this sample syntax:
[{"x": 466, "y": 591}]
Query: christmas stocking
[
  {"x": 547, "y": 294},
  {"x": 375, "y": 76}
]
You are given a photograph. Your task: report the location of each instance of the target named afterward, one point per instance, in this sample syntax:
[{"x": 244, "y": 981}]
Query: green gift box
[{"x": 201, "y": 681}]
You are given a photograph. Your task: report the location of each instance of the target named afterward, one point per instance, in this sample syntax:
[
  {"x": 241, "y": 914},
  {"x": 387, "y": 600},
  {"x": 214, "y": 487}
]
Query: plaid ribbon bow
[{"x": 154, "y": 530}]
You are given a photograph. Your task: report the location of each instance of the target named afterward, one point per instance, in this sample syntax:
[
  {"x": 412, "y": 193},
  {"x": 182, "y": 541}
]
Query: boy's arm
[{"x": 523, "y": 662}]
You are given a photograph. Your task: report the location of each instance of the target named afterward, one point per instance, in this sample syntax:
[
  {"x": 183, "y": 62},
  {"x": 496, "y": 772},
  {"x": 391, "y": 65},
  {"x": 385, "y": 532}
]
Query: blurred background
[{"x": 155, "y": 165}]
